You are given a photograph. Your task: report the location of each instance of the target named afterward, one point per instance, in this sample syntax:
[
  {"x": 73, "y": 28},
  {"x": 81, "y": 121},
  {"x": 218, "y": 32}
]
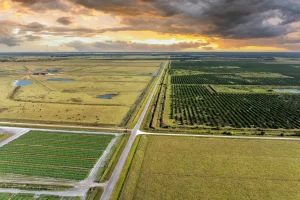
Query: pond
[
  {"x": 52, "y": 70},
  {"x": 3, "y": 73},
  {"x": 107, "y": 96},
  {"x": 22, "y": 83},
  {"x": 61, "y": 79},
  {"x": 21, "y": 70},
  {"x": 288, "y": 90}
]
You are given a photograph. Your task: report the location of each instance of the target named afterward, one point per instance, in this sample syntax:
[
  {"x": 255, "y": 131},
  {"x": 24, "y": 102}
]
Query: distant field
[
  {"x": 197, "y": 105},
  {"x": 198, "y": 168},
  {"x": 55, "y": 155},
  {"x": 72, "y": 89},
  {"x": 230, "y": 95},
  {"x": 256, "y": 89}
]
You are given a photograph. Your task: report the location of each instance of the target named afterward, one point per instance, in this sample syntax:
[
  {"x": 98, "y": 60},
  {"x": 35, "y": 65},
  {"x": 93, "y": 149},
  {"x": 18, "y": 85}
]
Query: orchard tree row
[
  {"x": 195, "y": 105},
  {"x": 233, "y": 79}
]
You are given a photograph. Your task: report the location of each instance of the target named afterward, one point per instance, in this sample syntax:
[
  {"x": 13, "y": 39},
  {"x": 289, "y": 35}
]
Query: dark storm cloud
[
  {"x": 64, "y": 20},
  {"x": 10, "y": 41},
  {"x": 224, "y": 18},
  {"x": 32, "y": 37},
  {"x": 235, "y": 19},
  {"x": 6, "y": 33},
  {"x": 131, "y": 46},
  {"x": 43, "y": 5}
]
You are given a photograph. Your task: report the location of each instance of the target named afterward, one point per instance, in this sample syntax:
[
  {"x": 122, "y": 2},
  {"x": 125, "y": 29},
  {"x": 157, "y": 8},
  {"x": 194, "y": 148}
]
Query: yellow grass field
[
  {"x": 166, "y": 167},
  {"x": 76, "y": 101}
]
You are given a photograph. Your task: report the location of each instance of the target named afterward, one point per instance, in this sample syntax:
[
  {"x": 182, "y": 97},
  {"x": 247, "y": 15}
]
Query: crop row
[
  {"x": 52, "y": 155},
  {"x": 73, "y": 145},
  {"x": 44, "y": 160},
  {"x": 196, "y": 105},
  {"x": 232, "y": 79},
  {"x": 50, "y": 151},
  {"x": 67, "y": 136},
  {"x": 32, "y": 170}
]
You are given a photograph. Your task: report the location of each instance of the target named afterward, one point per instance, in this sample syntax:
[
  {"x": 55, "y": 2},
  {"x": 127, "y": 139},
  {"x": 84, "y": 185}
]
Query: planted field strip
[
  {"x": 233, "y": 79},
  {"x": 57, "y": 155},
  {"x": 195, "y": 105},
  {"x": 170, "y": 167}
]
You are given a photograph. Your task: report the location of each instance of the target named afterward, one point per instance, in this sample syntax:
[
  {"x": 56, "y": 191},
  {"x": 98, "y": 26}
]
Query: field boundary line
[
  {"x": 49, "y": 155},
  {"x": 48, "y": 166},
  {"x": 64, "y": 126},
  {"x": 93, "y": 172},
  {"x": 17, "y": 132},
  {"x": 220, "y": 136}
]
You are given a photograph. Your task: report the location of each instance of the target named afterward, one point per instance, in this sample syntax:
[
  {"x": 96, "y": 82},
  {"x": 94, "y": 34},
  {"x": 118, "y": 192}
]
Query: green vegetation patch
[
  {"x": 194, "y": 105},
  {"x": 4, "y": 136},
  {"x": 201, "y": 168},
  {"x": 51, "y": 154}
]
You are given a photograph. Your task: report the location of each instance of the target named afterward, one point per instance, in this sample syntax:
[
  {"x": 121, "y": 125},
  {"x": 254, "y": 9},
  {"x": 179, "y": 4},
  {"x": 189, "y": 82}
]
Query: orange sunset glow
[{"x": 155, "y": 25}]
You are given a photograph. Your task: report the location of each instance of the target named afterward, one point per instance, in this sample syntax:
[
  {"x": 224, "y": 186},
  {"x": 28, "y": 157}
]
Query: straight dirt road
[{"x": 63, "y": 126}]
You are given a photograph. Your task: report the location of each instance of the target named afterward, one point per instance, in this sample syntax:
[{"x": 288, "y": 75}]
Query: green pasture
[{"x": 166, "y": 167}]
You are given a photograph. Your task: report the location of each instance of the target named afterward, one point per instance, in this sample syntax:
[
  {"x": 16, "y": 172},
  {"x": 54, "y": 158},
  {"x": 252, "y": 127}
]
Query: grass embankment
[
  {"x": 119, "y": 186},
  {"x": 94, "y": 193},
  {"x": 4, "y": 136},
  {"x": 112, "y": 158},
  {"x": 152, "y": 115},
  {"x": 205, "y": 168},
  {"x": 139, "y": 109}
]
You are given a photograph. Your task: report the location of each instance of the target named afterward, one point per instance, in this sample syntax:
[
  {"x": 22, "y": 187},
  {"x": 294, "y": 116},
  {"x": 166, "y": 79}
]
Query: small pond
[
  {"x": 60, "y": 79},
  {"x": 3, "y": 73},
  {"x": 22, "y": 82},
  {"x": 107, "y": 96},
  {"x": 288, "y": 90},
  {"x": 52, "y": 70},
  {"x": 21, "y": 70}
]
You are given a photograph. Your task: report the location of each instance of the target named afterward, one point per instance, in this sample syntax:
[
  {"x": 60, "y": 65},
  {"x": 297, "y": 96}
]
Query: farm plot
[
  {"x": 234, "y": 79},
  {"x": 234, "y": 73},
  {"x": 55, "y": 155},
  {"x": 196, "y": 105},
  {"x": 235, "y": 67},
  {"x": 72, "y": 90},
  {"x": 167, "y": 167},
  {"x": 232, "y": 95}
]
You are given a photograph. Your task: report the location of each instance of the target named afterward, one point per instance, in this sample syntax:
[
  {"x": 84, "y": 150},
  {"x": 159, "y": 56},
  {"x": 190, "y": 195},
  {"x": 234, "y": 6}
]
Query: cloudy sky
[{"x": 149, "y": 25}]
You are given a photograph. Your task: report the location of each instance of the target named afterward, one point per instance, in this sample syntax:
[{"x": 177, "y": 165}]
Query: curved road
[{"x": 136, "y": 131}]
